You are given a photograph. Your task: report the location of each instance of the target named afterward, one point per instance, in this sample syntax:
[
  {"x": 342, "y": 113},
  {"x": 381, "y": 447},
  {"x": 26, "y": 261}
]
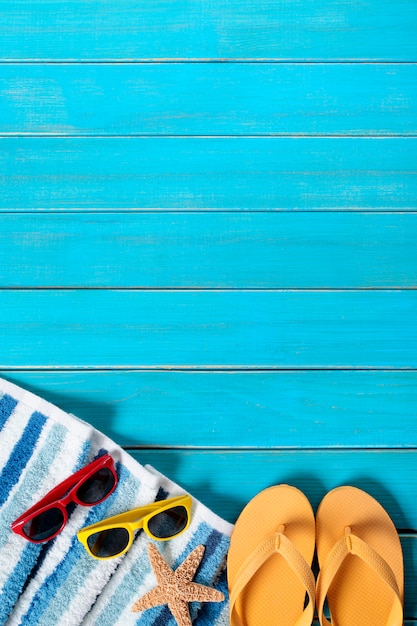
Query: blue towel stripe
[
  {"x": 210, "y": 611},
  {"x": 28, "y": 562},
  {"x": 7, "y": 406},
  {"x": 13, "y": 586},
  {"x": 215, "y": 543},
  {"x": 158, "y": 617},
  {"x": 125, "y": 589},
  {"x": 209, "y": 564},
  {"x": 45, "y": 547},
  {"x": 31, "y": 480},
  {"x": 200, "y": 536},
  {"x": 49, "y": 588},
  {"x": 47, "y": 593},
  {"x": 217, "y": 546},
  {"x": 21, "y": 454}
]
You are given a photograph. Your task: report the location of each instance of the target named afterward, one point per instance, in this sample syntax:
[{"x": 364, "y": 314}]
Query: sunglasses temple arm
[
  {"x": 134, "y": 517},
  {"x": 59, "y": 491},
  {"x": 52, "y": 496}
]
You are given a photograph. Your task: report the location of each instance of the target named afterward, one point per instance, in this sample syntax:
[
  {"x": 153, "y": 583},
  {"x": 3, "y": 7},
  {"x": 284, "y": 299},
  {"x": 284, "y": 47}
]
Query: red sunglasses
[{"x": 89, "y": 486}]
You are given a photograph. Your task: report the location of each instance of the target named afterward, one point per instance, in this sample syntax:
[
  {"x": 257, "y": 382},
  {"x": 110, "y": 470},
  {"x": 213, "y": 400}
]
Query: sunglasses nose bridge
[
  {"x": 68, "y": 497},
  {"x": 137, "y": 524}
]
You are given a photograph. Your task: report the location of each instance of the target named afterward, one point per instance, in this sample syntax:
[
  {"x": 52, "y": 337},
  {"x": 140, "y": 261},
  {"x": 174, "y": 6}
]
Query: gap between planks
[{"x": 202, "y": 61}]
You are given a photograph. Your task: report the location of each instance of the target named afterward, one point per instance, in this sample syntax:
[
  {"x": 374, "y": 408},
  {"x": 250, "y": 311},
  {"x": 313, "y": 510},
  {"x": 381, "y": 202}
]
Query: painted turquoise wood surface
[
  {"x": 270, "y": 335},
  {"x": 243, "y": 410},
  {"x": 386, "y": 474},
  {"x": 183, "y": 29},
  {"x": 208, "y": 173},
  {"x": 214, "y": 329},
  {"x": 209, "y": 99},
  {"x": 214, "y": 250}
]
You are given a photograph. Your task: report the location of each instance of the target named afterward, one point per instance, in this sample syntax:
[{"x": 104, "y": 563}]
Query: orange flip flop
[
  {"x": 360, "y": 559},
  {"x": 269, "y": 562}
]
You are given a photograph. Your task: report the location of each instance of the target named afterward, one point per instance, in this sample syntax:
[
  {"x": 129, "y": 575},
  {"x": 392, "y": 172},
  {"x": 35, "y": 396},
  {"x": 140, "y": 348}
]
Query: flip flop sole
[
  {"x": 357, "y": 595},
  {"x": 275, "y": 594}
]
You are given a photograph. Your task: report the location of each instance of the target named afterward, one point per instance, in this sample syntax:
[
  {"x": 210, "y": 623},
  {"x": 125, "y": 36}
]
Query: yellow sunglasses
[{"x": 160, "y": 520}]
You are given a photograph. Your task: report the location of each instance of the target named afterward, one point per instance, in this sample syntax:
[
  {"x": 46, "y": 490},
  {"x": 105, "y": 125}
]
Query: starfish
[{"x": 176, "y": 588}]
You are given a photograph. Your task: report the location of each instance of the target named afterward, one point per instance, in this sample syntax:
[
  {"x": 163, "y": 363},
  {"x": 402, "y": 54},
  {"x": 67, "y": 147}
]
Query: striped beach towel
[{"x": 57, "y": 583}]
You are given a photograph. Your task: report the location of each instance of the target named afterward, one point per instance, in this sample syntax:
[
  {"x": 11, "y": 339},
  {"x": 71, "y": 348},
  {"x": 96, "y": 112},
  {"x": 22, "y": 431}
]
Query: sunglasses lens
[
  {"x": 44, "y": 525},
  {"x": 97, "y": 487},
  {"x": 107, "y": 543},
  {"x": 168, "y": 523}
]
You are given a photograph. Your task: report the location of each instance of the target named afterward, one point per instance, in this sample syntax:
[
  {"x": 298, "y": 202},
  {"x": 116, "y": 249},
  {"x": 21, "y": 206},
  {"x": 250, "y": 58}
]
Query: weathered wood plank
[
  {"x": 409, "y": 546},
  {"x": 342, "y": 409},
  {"x": 256, "y": 250},
  {"x": 208, "y": 329},
  {"x": 221, "y": 29},
  {"x": 210, "y": 173},
  {"x": 226, "y": 481},
  {"x": 208, "y": 99}
]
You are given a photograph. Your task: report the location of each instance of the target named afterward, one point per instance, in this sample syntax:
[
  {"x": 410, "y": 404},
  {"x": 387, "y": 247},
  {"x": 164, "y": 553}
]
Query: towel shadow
[{"x": 100, "y": 415}]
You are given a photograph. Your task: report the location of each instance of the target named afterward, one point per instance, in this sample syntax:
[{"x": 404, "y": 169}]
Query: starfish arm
[
  {"x": 152, "y": 598},
  {"x": 188, "y": 568},
  {"x": 160, "y": 568},
  {"x": 180, "y": 611},
  {"x": 177, "y": 589},
  {"x": 194, "y": 592}
]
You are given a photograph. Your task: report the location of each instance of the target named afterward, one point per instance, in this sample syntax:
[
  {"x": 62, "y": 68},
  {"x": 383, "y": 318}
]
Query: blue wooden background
[{"x": 208, "y": 228}]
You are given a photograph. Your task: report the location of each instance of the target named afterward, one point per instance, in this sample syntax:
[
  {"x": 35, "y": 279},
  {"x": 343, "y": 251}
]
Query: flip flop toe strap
[
  {"x": 351, "y": 544},
  {"x": 277, "y": 543}
]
